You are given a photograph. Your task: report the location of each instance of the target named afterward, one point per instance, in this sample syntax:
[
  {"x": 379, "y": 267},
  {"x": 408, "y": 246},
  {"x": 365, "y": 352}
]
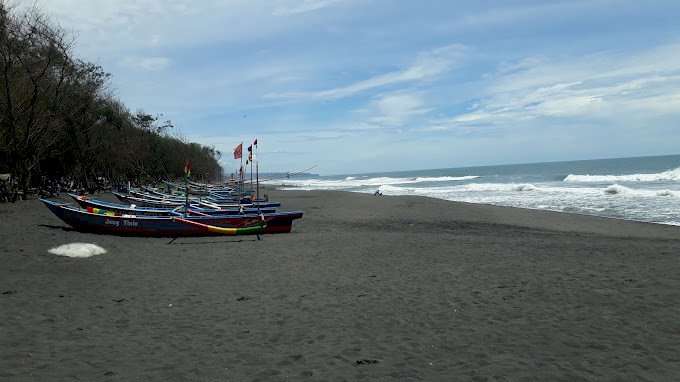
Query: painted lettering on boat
[
  {"x": 112, "y": 222},
  {"x": 130, "y": 223}
]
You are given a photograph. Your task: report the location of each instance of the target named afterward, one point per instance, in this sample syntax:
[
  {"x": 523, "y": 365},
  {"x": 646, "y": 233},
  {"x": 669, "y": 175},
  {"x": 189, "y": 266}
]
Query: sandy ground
[{"x": 364, "y": 287}]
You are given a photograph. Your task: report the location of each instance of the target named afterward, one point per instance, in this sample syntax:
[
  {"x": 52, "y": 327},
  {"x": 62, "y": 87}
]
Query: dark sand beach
[{"x": 376, "y": 288}]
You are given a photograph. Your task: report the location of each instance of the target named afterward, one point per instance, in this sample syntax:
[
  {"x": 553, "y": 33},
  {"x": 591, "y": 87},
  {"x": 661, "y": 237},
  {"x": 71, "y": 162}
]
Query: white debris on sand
[{"x": 77, "y": 250}]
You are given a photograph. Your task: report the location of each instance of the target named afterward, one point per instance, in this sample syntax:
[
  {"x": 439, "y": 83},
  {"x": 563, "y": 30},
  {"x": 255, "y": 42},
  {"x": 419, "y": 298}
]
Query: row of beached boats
[{"x": 149, "y": 211}]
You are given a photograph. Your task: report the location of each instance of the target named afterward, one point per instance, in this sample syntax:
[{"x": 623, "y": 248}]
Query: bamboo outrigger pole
[
  {"x": 257, "y": 177},
  {"x": 187, "y": 169}
]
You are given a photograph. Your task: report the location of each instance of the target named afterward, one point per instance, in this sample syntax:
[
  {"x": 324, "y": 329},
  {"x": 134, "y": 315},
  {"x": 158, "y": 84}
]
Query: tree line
[{"x": 58, "y": 117}]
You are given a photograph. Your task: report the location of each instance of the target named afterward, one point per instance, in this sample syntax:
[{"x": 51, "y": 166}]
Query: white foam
[
  {"x": 502, "y": 187},
  {"x": 351, "y": 182},
  {"x": 508, "y": 189},
  {"x": 444, "y": 178},
  {"x": 616, "y": 189},
  {"x": 77, "y": 250},
  {"x": 670, "y": 175},
  {"x": 524, "y": 187},
  {"x": 617, "y": 196}
]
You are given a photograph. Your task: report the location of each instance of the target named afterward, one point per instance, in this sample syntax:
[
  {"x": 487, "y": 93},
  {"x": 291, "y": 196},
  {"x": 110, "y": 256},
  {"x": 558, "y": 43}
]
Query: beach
[{"x": 364, "y": 287}]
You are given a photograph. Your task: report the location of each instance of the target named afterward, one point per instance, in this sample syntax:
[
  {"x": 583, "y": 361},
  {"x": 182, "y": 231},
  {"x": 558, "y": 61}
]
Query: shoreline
[
  {"x": 363, "y": 287},
  {"x": 556, "y": 220},
  {"x": 488, "y": 204}
]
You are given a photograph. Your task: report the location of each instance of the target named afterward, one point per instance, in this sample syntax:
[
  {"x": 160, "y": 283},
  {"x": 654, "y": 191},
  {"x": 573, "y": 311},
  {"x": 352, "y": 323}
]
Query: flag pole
[
  {"x": 251, "y": 174},
  {"x": 186, "y": 190},
  {"x": 257, "y": 176},
  {"x": 240, "y": 188}
]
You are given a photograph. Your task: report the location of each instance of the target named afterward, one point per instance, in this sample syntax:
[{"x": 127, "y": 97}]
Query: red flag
[
  {"x": 238, "y": 151},
  {"x": 187, "y": 168}
]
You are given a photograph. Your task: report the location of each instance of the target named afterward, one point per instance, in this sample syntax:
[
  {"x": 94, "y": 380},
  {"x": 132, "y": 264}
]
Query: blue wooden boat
[
  {"x": 169, "y": 198},
  {"x": 213, "y": 197},
  {"x": 217, "y": 194},
  {"x": 172, "y": 203},
  {"x": 141, "y": 202},
  {"x": 109, "y": 222},
  {"x": 87, "y": 202}
]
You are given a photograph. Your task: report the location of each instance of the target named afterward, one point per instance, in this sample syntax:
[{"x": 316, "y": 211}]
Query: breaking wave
[
  {"x": 616, "y": 189},
  {"x": 495, "y": 191},
  {"x": 352, "y": 182},
  {"x": 650, "y": 194},
  {"x": 670, "y": 175}
]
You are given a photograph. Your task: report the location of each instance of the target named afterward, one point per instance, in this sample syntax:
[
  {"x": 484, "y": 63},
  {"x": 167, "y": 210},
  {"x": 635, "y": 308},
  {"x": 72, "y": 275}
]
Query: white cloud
[
  {"x": 396, "y": 109},
  {"x": 303, "y": 6},
  {"x": 604, "y": 86},
  {"x": 125, "y": 26},
  {"x": 427, "y": 66},
  {"x": 146, "y": 63},
  {"x": 225, "y": 55}
]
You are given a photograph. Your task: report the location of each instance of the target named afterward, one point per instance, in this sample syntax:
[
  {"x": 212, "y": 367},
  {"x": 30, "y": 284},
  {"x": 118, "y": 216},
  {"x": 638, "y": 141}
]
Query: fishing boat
[
  {"x": 110, "y": 222},
  {"x": 169, "y": 198},
  {"x": 142, "y": 202},
  {"x": 131, "y": 209},
  {"x": 225, "y": 196},
  {"x": 199, "y": 189},
  {"x": 172, "y": 203}
]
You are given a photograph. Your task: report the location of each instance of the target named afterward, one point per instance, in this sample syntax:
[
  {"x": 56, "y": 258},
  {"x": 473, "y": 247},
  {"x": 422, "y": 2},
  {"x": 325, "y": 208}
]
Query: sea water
[{"x": 643, "y": 188}]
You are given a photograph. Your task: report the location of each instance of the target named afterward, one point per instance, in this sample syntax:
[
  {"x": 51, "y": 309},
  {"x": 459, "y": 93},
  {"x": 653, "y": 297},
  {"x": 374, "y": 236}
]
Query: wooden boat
[
  {"x": 259, "y": 228},
  {"x": 152, "y": 202},
  {"x": 213, "y": 197},
  {"x": 141, "y": 202},
  {"x": 168, "y": 198},
  {"x": 198, "y": 189},
  {"x": 109, "y": 222},
  {"x": 87, "y": 202}
]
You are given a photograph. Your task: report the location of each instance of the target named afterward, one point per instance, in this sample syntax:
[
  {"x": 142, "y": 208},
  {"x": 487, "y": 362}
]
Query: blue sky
[{"x": 377, "y": 85}]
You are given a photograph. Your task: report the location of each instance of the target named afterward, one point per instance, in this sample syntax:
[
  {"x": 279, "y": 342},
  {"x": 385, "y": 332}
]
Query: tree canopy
[{"x": 58, "y": 117}]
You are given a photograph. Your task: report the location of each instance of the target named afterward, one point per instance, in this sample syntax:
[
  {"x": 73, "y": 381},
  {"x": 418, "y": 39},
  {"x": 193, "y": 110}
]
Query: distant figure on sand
[{"x": 377, "y": 193}]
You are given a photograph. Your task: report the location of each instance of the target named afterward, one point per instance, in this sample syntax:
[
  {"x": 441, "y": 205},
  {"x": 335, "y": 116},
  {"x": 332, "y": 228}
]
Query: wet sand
[{"x": 364, "y": 287}]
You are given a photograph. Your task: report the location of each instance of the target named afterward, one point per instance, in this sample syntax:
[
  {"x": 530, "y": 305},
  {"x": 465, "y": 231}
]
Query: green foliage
[{"x": 56, "y": 118}]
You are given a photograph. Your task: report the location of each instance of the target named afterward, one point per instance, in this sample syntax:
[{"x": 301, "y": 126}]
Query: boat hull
[{"x": 130, "y": 225}]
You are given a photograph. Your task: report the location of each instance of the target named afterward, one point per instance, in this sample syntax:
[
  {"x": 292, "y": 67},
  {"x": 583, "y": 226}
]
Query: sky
[{"x": 358, "y": 86}]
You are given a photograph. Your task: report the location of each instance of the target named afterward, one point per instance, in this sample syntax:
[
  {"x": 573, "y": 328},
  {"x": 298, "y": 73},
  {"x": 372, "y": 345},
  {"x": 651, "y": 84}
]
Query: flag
[
  {"x": 254, "y": 144},
  {"x": 187, "y": 168},
  {"x": 238, "y": 151},
  {"x": 250, "y": 153}
]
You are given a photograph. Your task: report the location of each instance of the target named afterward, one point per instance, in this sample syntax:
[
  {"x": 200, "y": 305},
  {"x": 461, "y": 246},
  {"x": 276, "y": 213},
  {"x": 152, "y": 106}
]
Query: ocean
[{"x": 644, "y": 188}]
